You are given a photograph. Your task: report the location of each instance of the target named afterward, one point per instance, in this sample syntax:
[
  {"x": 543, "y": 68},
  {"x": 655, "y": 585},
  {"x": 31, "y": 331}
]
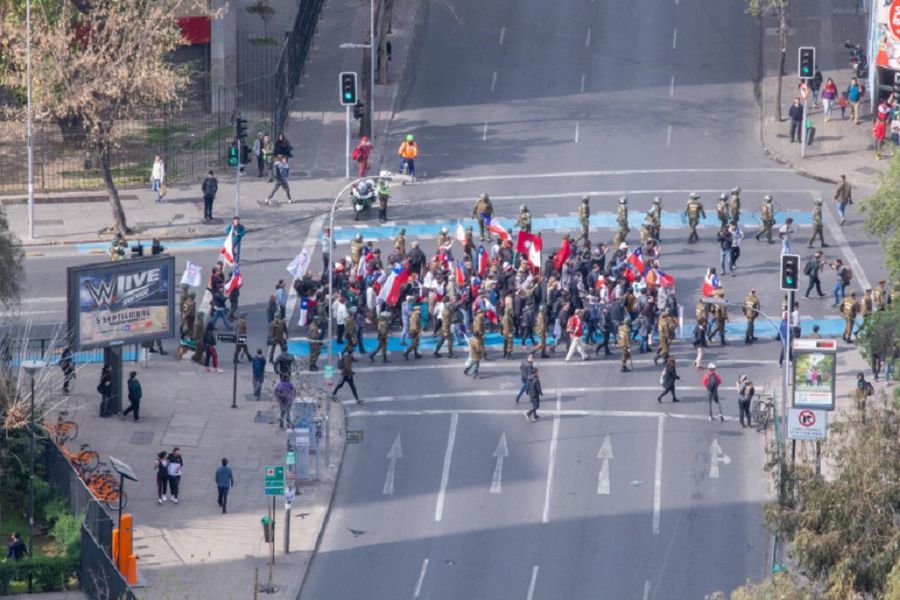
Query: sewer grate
[
  {"x": 264, "y": 416},
  {"x": 142, "y": 438}
]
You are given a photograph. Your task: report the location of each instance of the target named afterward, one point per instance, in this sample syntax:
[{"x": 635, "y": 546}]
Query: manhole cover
[
  {"x": 354, "y": 436},
  {"x": 264, "y": 416},
  {"x": 868, "y": 171},
  {"x": 142, "y": 437}
]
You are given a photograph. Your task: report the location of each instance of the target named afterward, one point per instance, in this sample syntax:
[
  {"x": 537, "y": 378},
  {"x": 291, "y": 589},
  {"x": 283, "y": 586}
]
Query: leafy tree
[
  {"x": 757, "y": 8},
  {"x": 12, "y": 275},
  {"x": 844, "y": 533},
  {"x": 781, "y": 586},
  {"x": 883, "y": 215},
  {"x": 880, "y": 331},
  {"x": 96, "y": 64}
]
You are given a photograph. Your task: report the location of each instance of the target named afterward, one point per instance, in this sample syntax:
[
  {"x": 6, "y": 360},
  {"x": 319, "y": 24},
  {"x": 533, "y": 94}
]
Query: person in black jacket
[
  {"x": 526, "y": 368},
  {"x": 68, "y": 368},
  {"x": 795, "y": 112},
  {"x": 209, "y": 187},
  {"x": 670, "y": 375},
  {"x": 105, "y": 390},
  {"x": 134, "y": 396},
  {"x": 533, "y": 387}
]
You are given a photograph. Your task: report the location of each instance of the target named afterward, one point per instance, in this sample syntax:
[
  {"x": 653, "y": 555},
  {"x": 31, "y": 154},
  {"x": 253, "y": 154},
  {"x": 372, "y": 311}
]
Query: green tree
[
  {"x": 880, "y": 331},
  {"x": 781, "y": 586},
  {"x": 758, "y": 8},
  {"x": 12, "y": 275},
  {"x": 882, "y": 210},
  {"x": 97, "y": 64},
  {"x": 844, "y": 533}
]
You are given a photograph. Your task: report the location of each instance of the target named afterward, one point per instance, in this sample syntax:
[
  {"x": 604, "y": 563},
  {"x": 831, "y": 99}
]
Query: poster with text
[{"x": 814, "y": 379}]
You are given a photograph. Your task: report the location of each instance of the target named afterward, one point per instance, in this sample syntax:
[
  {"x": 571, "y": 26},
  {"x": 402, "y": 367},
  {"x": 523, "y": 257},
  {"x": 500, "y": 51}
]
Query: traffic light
[
  {"x": 233, "y": 155},
  {"x": 806, "y": 62},
  {"x": 240, "y": 128},
  {"x": 358, "y": 110},
  {"x": 348, "y": 89},
  {"x": 137, "y": 251},
  {"x": 790, "y": 272},
  {"x": 156, "y": 247}
]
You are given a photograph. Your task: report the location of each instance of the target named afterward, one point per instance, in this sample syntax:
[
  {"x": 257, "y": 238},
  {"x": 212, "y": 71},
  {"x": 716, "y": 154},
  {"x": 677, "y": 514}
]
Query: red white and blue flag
[
  {"x": 227, "y": 250},
  {"x": 307, "y": 306},
  {"x": 710, "y": 284},
  {"x": 660, "y": 278},
  {"x": 460, "y": 275},
  {"x": 483, "y": 261},
  {"x": 390, "y": 291},
  {"x": 235, "y": 282},
  {"x": 495, "y": 227},
  {"x": 636, "y": 260}
]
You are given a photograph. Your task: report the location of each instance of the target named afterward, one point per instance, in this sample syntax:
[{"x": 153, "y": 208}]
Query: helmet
[
  {"x": 192, "y": 295},
  {"x": 694, "y": 196},
  {"x": 370, "y": 183},
  {"x": 443, "y": 230},
  {"x": 585, "y": 199},
  {"x": 402, "y": 231},
  {"x": 359, "y": 237},
  {"x": 723, "y": 196},
  {"x": 469, "y": 228},
  {"x": 768, "y": 198},
  {"x": 623, "y": 200},
  {"x": 818, "y": 202},
  {"x": 657, "y": 200},
  {"x": 410, "y": 137},
  {"x": 523, "y": 208},
  {"x": 711, "y": 366},
  {"x": 743, "y": 377},
  {"x": 735, "y": 190}
]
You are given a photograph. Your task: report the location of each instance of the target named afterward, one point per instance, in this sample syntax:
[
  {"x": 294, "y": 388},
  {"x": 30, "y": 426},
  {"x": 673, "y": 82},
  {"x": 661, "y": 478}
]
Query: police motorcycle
[{"x": 363, "y": 194}]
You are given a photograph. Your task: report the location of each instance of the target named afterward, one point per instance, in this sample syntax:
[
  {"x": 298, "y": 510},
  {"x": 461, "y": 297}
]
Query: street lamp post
[
  {"x": 334, "y": 204},
  {"x": 31, "y": 366},
  {"x": 372, "y": 49},
  {"x": 29, "y": 119}
]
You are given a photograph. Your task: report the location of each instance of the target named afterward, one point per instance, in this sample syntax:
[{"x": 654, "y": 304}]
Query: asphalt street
[{"x": 451, "y": 493}]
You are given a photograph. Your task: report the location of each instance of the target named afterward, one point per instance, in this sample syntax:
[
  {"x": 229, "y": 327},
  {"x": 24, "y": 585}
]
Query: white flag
[
  {"x": 191, "y": 274},
  {"x": 299, "y": 265}
]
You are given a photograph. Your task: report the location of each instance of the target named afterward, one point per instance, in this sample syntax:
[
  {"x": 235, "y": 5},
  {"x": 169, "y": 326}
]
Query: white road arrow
[
  {"x": 393, "y": 454},
  {"x": 500, "y": 453},
  {"x": 605, "y": 453},
  {"x": 716, "y": 456}
]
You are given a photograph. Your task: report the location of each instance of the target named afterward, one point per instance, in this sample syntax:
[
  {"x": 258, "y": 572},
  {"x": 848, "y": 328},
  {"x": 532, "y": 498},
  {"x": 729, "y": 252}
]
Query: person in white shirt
[
  {"x": 785, "y": 233},
  {"x": 737, "y": 235},
  {"x": 339, "y": 313},
  {"x": 158, "y": 177}
]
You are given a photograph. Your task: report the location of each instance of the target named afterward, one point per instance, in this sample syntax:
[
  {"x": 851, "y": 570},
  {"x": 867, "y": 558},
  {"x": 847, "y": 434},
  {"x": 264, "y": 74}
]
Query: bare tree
[
  {"x": 758, "y": 8},
  {"x": 98, "y": 63}
]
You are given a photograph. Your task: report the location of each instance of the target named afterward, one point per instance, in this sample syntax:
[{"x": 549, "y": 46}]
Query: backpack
[
  {"x": 355, "y": 154},
  {"x": 869, "y": 389},
  {"x": 810, "y": 268},
  {"x": 662, "y": 377},
  {"x": 712, "y": 382}
]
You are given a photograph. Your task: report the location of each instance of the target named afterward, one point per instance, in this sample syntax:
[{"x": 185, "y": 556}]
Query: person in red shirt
[
  {"x": 361, "y": 155},
  {"x": 575, "y": 329},
  {"x": 711, "y": 382}
]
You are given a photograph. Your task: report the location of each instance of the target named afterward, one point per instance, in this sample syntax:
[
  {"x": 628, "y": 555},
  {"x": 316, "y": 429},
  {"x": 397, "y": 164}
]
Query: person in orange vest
[{"x": 408, "y": 152}]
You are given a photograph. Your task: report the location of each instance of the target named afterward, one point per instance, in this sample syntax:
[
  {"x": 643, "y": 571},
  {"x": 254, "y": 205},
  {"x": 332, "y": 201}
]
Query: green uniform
[
  {"x": 524, "y": 221},
  {"x": 400, "y": 244},
  {"x": 694, "y": 211},
  {"x": 415, "y": 330},
  {"x": 817, "y": 227},
  {"x": 734, "y": 206},
  {"x": 584, "y": 218},
  {"x": 721, "y": 316},
  {"x": 849, "y": 310},
  {"x": 540, "y": 328},
  {"x": 382, "y": 340},
  {"x": 767, "y": 215},
  {"x": 624, "y": 340},
  {"x": 722, "y": 211},
  {"x": 507, "y": 330},
  {"x": 482, "y": 207},
  {"x": 315, "y": 344},
  {"x": 446, "y": 330},
  {"x": 751, "y": 311},
  {"x": 622, "y": 221}
]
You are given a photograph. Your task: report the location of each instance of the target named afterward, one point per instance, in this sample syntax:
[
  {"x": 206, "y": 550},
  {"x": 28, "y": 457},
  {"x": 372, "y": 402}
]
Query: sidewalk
[
  {"x": 191, "y": 549},
  {"x": 840, "y": 147}
]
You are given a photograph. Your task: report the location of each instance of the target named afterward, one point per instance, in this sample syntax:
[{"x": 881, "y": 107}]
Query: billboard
[
  {"x": 887, "y": 34},
  {"x": 815, "y": 366},
  {"x": 125, "y": 302}
]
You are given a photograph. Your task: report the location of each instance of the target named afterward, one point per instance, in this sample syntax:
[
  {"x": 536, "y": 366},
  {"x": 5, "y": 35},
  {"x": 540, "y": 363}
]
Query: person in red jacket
[
  {"x": 361, "y": 155},
  {"x": 711, "y": 382},
  {"x": 575, "y": 329}
]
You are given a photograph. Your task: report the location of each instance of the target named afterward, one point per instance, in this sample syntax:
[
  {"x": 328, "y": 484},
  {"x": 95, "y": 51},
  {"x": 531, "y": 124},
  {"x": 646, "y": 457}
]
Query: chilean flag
[
  {"x": 227, "y": 250},
  {"x": 304, "y": 311},
  {"x": 460, "y": 275},
  {"x": 390, "y": 291},
  {"x": 710, "y": 285},
  {"x": 636, "y": 260},
  {"x": 495, "y": 227},
  {"x": 482, "y": 261},
  {"x": 565, "y": 251},
  {"x": 530, "y": 245},
  {"x": 235, "y": 282},
  {"x": 460, "y": 233},
  {"x": 490, "y": 312},
  {"x": 659, "y": 277}
]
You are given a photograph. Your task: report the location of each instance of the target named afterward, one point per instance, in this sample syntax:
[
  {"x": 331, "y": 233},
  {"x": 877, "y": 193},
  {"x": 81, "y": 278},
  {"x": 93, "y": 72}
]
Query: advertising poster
[
  {"x": 121, "y": 303},
  {"x": 887, "y": 34},
  {"x": 814, "y": 374}
]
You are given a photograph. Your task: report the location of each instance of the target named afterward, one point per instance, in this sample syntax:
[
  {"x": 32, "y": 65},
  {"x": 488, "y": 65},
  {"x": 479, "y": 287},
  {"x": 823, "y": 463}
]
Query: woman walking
[
  {"x": 209, "y": 346},
  {"x": 161, "y": 464},
  {"x": 829, "y": 95},
  {"x": 174, "y": 466},
  {"x": 668, "y": 380}
]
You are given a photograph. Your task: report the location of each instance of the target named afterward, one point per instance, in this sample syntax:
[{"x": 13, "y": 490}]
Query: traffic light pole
[
  {"x": 237, "y": 183},
  {"x": 347, "y": 144},
  {"x": 803, "y": 127},
  {"x": 788, "y": 361}
]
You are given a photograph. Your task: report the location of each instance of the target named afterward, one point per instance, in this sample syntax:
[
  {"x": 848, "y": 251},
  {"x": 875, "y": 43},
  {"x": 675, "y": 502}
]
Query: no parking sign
[{"x": 807, "y": 424}]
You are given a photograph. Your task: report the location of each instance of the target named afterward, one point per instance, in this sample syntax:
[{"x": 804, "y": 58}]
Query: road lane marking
[
  {"x": 574, "y": 412},
  {"x": 647, "y": 585},
  {"x": 668, "y": 136},
  {"x": 484, "y": 135},
  {"x": 657, "y": 476},
  {"x": 674, "y": 38},
  {"x": 421, "y": 579},
  {"x": 601, "y": 172},
  {"x": 554, "y": 443},
  {"x": 494, "y": 81},
  {"x": 838, "y": 236},
  {"x": 492, "y": 393},
  {"x": 576, "y": 133},
  {"x": 582, "y": 82},
  {"x": 716, "y": 456},
  {"x": 502, "y": 35},
  {"x": 534, "y": 574},
  {"x": 672, "y": 87},
  {"x": 587, "y": 40},
  {"x": 445, "y": 475},
  {"x": 605, "y": 454},
  {"x": 393, "y": 454},
  {"x": 500, "y": 453}
]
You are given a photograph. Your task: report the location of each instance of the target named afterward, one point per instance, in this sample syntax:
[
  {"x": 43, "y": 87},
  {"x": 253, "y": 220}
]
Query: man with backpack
[
  {"x": 711, "y": 382},
  {"x": 844, "y": 277},
  {"x": 815, "y": 264},
  {"x": 280, "y": 171},
  {"x": 346, "y": 367}
]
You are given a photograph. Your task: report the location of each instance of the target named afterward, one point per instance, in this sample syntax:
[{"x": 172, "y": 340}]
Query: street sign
[
  {"x": 274, "y": 483},
  {"x": 290, "y": 458},
  {"x": 804, "y": 91},
  {"x": 807, "y": 424},
  {"x": 226, "y": 337},
  {"x": 815, "y": 369}
]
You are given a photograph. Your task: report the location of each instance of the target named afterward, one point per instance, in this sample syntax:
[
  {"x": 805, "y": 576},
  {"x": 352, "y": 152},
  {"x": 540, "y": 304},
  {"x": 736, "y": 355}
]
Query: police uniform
[
  {"x": 400, "y": 242},
  {"x": 524, "y": 220},
  {"x": 188, "y": 314},
  {"x": 540, "y": 328},
  {"x": 721, "y": 315},
  {"x": 624, "y": 340},
  {"x": 356, "y": 246},
  {"x": 817, "y": 225},
  {"x": 276, "y": 337},
  {"x": 382, "y": 338},
  {"x": 315, "y": 335},
  {"x": 849, "y": 310},
  {"x": 665, "y": 331},
  {"x": 242, "y": 334},
  {"x": 694, "y": 211},
  {"x": 469, "y": 244},
  {"x": 880, "y": 296},
  {"x": 415, "y": 330},
  {"x": 584, "y": 217},
  {"x": 622, "y": 221},
  {"x": 482, "y": 207},
  {"x": 767, "y": 215},
  {"x": 751, "y": 311},
  {"x": 722, "y": 210},
  {"x": 507, "y": 329},
  {"x": 734, "y": 204},
  {"x": 442, "y": 238},
  {"x": 654, "y": 218},
  {"x": 446, "y": 330}
]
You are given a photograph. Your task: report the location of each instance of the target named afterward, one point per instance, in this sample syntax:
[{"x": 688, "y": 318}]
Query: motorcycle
[
  {"x": 858, "y": 60},
  {"x": 363, "y": 195}
]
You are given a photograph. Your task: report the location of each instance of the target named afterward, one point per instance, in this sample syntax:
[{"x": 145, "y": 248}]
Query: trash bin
[{"x": 268, "y": 530}]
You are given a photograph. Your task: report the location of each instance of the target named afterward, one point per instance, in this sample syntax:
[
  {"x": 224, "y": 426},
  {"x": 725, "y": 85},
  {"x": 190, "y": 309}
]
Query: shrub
[
  {"x": 49, "y": 573},
  {"x": 66, "y": 532}
]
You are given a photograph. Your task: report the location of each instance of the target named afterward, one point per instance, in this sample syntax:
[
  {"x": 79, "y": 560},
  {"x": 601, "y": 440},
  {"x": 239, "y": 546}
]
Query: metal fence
[
  {"x": 16, "y": 351},
  {"x": 99, "y": 577}
]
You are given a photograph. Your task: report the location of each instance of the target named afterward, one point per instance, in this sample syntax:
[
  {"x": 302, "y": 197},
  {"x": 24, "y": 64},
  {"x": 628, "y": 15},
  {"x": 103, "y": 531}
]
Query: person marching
[
  {"x": 622, "y": 221},
  {"x": 447, "y": 330},
  {"x": 508, "y": 328},
  {"x": 817, "y": 226},
  {"x": 813, "y": 266},
  {"x": 722, "y": 210},
  {"x": 734, "y": 204},
  {"x": 767, "y": 216},
  {"x": 711, "y": 382},
  {"x": 584, "y": 218},
  {"x": 849, "y": 310},
  {"x": 666, "y": 329},
  {"x": 481, "y": 209},
  {"x": 694, "y": 212},
  {"x": 624, "y": 340},
  {"x": 415, "y": 330},
  {"x": 751, "y": 311},
  {"x": 654, "y": 218},
  {"x": 315, "y": 336},
  {"x": 540, "y": 328},
  {"x": 721, "y": 316},
  {"x": 533, "y": 388},
  {"x": 524, "y": 220},
  {"x": 346, "y": 366},
  {"x": 476, "y": 353},
  {"x": 383, "y": 323}
]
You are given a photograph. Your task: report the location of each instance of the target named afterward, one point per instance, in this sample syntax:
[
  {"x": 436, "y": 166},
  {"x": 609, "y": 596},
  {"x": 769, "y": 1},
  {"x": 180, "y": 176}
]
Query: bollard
[
  {"x": 131, "y": 573},
  {"x": 126, "y": 537},
  {"x": 115, "y": 546}
]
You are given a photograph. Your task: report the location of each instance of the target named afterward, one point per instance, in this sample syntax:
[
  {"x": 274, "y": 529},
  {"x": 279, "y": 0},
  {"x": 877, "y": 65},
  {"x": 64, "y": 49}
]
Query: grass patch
[
  {"x": 157, "y": 135},
  {"x": 211, "y": 138}
]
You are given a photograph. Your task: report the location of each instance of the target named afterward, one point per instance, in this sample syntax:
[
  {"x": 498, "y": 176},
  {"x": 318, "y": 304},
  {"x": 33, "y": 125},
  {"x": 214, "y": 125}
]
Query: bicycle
[
  {"x": 762, "y": 410},
  {"x": 63, "y": 430},
  {"x": 84, "y": 461},
  {"x": 105, "y": 488}
]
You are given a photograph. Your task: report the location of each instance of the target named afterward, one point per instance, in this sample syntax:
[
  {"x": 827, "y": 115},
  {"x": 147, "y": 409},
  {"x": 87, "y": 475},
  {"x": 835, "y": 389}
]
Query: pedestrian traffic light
[
  {"x": 358, "y": 110},
  {"x": 790, "y": 272},
  {"x": 137, "y": 250},
  {"x": 806, "y": 62},
  {"x": 240, "y": 128},
  {"x": 233, "y": 155},
  {"x": 156, "y": 247},
  {"x": 348, "y": 88}
]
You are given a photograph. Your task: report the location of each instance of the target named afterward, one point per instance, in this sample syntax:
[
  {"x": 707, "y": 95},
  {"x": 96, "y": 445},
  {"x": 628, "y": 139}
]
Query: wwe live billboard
[{"x": 125, "y": 302}]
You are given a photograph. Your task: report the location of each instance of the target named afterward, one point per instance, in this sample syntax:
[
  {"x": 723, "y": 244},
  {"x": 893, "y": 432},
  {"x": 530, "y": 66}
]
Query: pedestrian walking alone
[
  {"x": 158, "y": 178},
  {"x": 844, "y": 197},
  {"x": 534, "y": 394},
  {"x": 209, "y": 187},
  {"x": 105, "y": 390},
  {"x": 795, "y": 113},
  {"x": 258, "y": 366},
  {"x": 224, "y": 482},
  {"x": 361, "y": 155},
  {"x": 281, "y": 172},
  {"x": 346, "y": 366},
  {"x": 135, "y": 393},
  {"x": 526, "y": 367},
  {"x": 711, "y": 382},
  {"x": 667, "y": 379},
  {"x": 746, "y": 391},
  {"x": 174, "y": 468},
  {"x": 161, "y": 465},
  {"x": 284, "y": 394}
]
